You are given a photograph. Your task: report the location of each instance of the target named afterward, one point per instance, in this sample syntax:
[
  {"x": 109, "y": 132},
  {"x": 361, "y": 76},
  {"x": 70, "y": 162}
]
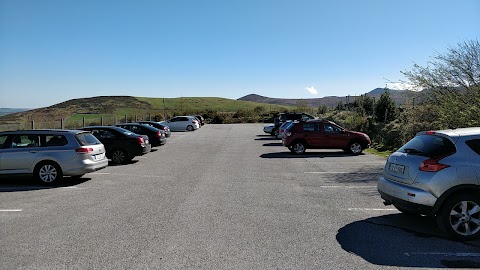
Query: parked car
[
  {"x": 269, "y": 129},
  {"x": 201, "y": 119},
  {"x": 156, "y": 136},
  {"x": 121, "y": 145},
  {"x": 283, "y": 117},
  {"x": 158, "y": 125},
  {"x": 182, "y": 123},
  {"x": 49, "y": 155},
  {"x": 437, "y": 173},
  {"x": 323, "y": 134},
  {"x": 283, "y": 128}
]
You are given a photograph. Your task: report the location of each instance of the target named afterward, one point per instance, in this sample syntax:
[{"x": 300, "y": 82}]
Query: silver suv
[
  {"x": 50, "y": 154},
  {"x": 437, "y": 173}
]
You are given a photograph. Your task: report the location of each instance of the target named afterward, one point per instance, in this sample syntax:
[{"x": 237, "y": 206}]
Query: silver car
[
  {"x": 50, "y": 154},
  {"x": 182, "y": 123},
  {"x": 437, "y": 173}
]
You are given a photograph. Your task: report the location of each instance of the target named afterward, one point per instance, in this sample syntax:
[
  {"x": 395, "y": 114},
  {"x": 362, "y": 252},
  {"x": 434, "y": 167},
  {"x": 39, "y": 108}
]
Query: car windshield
[{"x": 429, "y": 146}]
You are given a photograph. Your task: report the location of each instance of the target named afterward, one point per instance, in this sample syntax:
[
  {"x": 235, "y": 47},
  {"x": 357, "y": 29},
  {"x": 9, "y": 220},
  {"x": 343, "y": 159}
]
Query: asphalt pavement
[{"x": 221, "y": 197}]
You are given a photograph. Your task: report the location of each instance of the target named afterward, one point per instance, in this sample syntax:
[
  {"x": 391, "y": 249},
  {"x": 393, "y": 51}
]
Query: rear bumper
[
  {"x": 396, "y": 193},
  {"x": 84, "y": 167}
]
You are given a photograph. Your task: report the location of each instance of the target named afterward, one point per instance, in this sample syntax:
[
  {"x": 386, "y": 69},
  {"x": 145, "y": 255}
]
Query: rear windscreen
[
  {"x": 429, "y": 146},
  {"x": 87, "y": 139}
]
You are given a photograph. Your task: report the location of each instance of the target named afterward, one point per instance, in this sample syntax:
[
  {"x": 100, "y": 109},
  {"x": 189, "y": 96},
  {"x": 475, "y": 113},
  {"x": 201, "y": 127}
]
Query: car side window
[
  {"x": 19, "y": 141},
  {"x": 56, "y": 140},
  {"x": 310, "y": 127},
  {"x": 3, "y": 141},
  {"x": 107, "y": 134},
  {"x": 474, "y": 145},
  {"x": 331, "y": 128}
]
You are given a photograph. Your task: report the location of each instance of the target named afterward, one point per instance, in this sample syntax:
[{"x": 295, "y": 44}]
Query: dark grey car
[{"x": 437, "y": 173}]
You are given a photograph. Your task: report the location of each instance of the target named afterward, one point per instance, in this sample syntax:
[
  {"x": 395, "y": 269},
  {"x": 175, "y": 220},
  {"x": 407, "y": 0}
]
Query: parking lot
[{"x": 221, "y": 197}]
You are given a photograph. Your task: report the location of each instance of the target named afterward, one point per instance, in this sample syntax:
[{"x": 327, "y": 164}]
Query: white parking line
[
  {"x": 372, "y": 209},
  {"x": 69, "y": 187},
  {"x": 445, "y": 254},
  {"x": 342, "y": 172},
  {"x": 11, "y": 210},
  {"x": 347, "y": 186}
]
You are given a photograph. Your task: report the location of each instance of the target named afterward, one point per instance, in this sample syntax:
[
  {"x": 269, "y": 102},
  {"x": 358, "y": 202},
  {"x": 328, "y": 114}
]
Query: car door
[
  {"x": 312, "y": 134},
  {"x": 20, "y": 153},
  {"x": 475, "y": 156},
  {"x": 334, "y": 137},
  {"x": 173, "y": 123}
]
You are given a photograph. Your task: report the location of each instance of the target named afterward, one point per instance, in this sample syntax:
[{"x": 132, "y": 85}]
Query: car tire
[
  {"x": 406, "y": 210},
  {"x": 48, "y": 173},
  {"x": 355, "y": 148},
  {"x": 298, "y": 148},
  {"x": 459, "y": 217},
  {"x": 274, "y": 132},
  {"x": 119, "y": 156},
  {"x": 190, "y": 128}
]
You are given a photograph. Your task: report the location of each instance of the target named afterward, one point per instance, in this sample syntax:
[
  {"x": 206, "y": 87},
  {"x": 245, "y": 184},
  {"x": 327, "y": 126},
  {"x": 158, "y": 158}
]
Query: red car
[{"x": 323, "y": 134}]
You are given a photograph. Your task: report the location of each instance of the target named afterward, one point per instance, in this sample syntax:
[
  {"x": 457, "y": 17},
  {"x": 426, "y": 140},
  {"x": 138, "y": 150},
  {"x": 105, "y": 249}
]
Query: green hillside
[
  {"x": 206, "y": 103},
  {"x": 111, "y": 109}
]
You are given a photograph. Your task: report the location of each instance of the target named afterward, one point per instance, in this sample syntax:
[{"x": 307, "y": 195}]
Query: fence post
[
  {"x": 385, "y": 119},
  {"x": 125, "y": 118},
  {"x": 101, "y": 120},
  {"x": 33, "y": 124},
  {"x": 61, "y": 124},
  {"x": 83, "y": 121}
]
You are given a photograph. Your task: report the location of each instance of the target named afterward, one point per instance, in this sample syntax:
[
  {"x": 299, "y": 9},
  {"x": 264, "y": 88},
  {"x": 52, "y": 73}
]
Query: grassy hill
[{"x": 111, "y": 109}]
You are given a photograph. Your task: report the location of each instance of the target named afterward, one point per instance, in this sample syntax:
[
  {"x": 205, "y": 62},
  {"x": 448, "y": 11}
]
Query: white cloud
[{"x": 312, "y": 90}]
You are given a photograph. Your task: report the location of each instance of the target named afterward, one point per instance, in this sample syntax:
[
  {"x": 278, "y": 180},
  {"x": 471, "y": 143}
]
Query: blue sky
[{"x": 56, "y": 50}]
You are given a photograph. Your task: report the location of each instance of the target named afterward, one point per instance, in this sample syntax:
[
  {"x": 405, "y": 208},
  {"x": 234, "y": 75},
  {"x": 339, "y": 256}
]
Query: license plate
[
  {"x": 98, "y": 157},
  {"x": 399, "y": 169}
]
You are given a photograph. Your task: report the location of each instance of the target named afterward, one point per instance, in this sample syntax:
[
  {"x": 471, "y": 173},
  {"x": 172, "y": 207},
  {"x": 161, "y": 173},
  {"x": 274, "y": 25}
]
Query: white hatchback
[{"x": 182, "y": 123}]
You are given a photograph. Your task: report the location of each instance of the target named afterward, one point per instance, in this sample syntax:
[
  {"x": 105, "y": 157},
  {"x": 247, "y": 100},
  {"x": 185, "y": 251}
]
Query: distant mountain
[
  {"x": 399, "y": 96},
  {"x": 5, "y": 111}
]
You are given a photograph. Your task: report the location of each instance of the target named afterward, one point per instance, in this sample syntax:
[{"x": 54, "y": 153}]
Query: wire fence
[{"x": 74, "y": 123}]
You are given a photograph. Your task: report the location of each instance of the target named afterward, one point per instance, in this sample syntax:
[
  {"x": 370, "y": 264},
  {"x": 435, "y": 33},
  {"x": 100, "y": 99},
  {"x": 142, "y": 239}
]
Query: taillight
[
  {"x": 194, "y": 122},
  {"x": 140, "y": 140},
  {"x": 84, "y": 150},
  {"x": 159, "y": 134},
  {"x": 432, "y": 165}
]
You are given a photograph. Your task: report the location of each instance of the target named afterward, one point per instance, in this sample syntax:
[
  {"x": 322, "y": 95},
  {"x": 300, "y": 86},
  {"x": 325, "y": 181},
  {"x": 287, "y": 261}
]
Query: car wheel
[
  {"x": 274, "y": 132},
  {"x": 459, "y": 217},
  {"x": 119, "y": 156},
  {"x": 298, "y": 148},
  {"x": 406, "y": 210},
  {"x": 355, "y": 148},
  {"x": 190, "y": 128},
  {"x": 48, "y": 173}
]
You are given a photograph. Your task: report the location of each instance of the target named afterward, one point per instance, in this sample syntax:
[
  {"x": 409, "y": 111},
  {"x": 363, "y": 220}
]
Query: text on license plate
[
  {"x": 98, "y": 157},
  {"x": 400, "y": 169}
]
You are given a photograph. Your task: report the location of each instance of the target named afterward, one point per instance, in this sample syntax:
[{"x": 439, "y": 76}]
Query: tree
[
  {"x": 454, "y": 79},
  {"x": 322, "y": 109},
  {"x": 385, "y": 105},
  {"x": 364, "y": 105},
  {"x": 340, "y": 106}
]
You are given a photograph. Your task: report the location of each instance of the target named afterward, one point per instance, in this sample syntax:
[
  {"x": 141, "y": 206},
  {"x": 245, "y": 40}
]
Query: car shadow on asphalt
[
  {"x": 406, "y": 241},
  {"x": 273, "y": 144},
  {"x": 17, "y": 183},
  {"x": 111, "y": 163},
  {"x": 269, "y": 138},
  {"x": 307, "y": 155}
]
